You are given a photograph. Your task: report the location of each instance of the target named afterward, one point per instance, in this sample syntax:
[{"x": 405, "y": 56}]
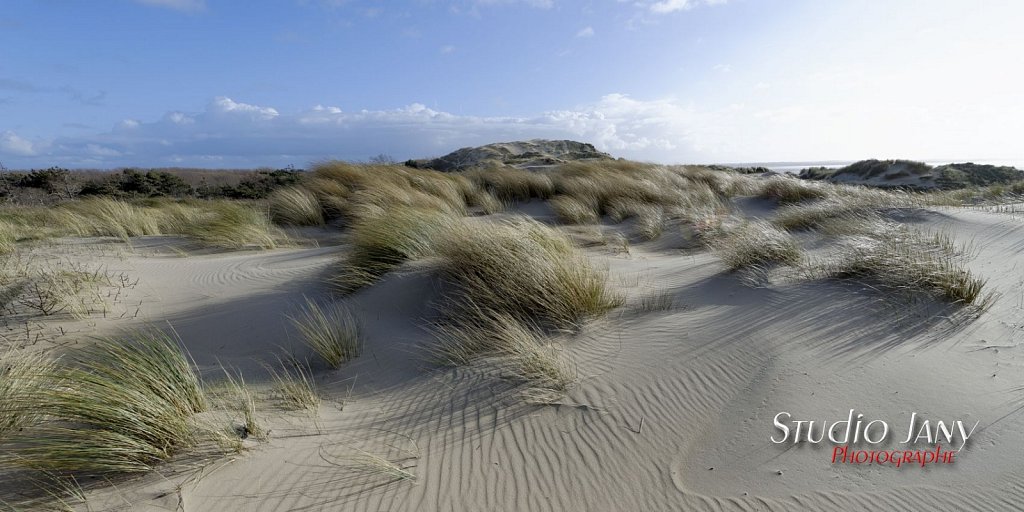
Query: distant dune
[
  {"x": 915, "y": 175},
  {"x": 524, "y": 154}
]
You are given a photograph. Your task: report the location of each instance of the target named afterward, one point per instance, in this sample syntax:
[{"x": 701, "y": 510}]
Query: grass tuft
[
  {"x": 757, "y": 244},
  {"x": 516, "y": 348},
  {"x": 573, "y": 211},
  {"x": 382, "y": 242},
  {"x": 114, "y": 406},
  {"x": 295, "y": 206},
  {"x": 332, "y": 331},
  {"x": 791, "y": 190},
  {"x": 911, "y": 262},
  {"x": 527, "y": 270},
  {"x": 295, "y": 387}
]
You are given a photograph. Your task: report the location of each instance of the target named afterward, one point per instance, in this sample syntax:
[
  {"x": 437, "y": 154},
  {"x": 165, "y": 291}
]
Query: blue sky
[{"x": 216, "y": 83}]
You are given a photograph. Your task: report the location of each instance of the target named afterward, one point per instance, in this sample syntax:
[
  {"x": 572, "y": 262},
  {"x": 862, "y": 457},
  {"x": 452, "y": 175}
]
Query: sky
[{"x": 270, "y": 83}]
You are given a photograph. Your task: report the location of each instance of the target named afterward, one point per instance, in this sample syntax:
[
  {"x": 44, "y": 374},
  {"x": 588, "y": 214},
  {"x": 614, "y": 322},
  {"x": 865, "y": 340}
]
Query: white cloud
[
  {"x": 585, "y": 32},
  {"x": 180, "y": 5},
  {"x": 667, "y": 6},
  {"x": 12, "y": 144},
  {"x": 446, "y": 49},
  {"x": 227, "y": 106},
  {"x": 232, "y": 133}
]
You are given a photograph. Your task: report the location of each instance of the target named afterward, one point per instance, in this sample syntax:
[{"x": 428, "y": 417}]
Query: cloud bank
[{"x": 229, "y": 133}]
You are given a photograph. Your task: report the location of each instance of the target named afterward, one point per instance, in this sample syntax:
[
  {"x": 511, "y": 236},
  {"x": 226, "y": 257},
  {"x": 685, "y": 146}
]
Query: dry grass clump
[
  {"x": 757, "y": 244},
  {"x": 101, "y": 216},
  {"x": 294, "y": 386},
  {"x": 374, "y": 465},
  {"x": 114, "y": 406},
  {"x": 8, "y": 237},
  {"x": 20, "y": 376},
  {"x": 232, "y": 225},
  {"x": 570, "y": 210},
  {"x": 239, "y": 398},
  {"x": 223, "y": 223},
  {"x": 912, "y": 262},
  {"x": 509, "y": 184},
  {"x": 725, "y": 183},
  {"x": 332, "y": 331},
  {"x": 526, "y": 270},
  {"x": 356, "y": 191},
  {"x": 844, "y": 202},
  {"x": 508, "y": 282},
  {"x": 486, "y": 201},
  {"x": 660, "y": 300},
  {"x": 650, "y": 223},
  {"x": 791, "y": 190},
  {"x": 652, "y": 194},
  {"x": 516, "y": 350},
  {"x": 383, "y": 241},
  {"x": 295, "y": 206}
]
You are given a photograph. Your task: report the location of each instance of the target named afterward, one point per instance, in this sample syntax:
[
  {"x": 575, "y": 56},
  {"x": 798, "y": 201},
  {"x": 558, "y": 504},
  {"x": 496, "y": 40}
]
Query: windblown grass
[
  {"x": 242, "y": 400},
  {"x": 231, "y": 225},
  {"x": 296, "y": 206},
  {"x": 526, "y": 270},
  {"x": 225, "y": 224},
  {"x": 845, "y": 202},
  {"x": 486, "y": 201},
  {"x": 373, "y": 464},
  {"x": 21, "y": 375},
  {"x": 357, "y": 191},
  {"x": 295, "y": 386},
  {"x": 382, "y": 242},
  {"x": 660, "y": 300},
  {"x": 332, "y": 331},
  {"x": 114, "y": 406},
  {"x": 652, "y": 194},
  {"x": 573, "y": 211},
  {"x": 509, "y": 184},
  {"x": 911, "y": 262},
  {"x": 517, "y": 349},
  {"x": 792, "y": 190},
  {"x": 757, "y": 244}
]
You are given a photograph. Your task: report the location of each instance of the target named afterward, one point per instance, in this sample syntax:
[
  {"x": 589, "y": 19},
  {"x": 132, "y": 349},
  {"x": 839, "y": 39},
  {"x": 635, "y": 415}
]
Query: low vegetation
[
  {"x": 381, "y": 242},
  {"x": 523, "y": 269},
  {"x": 294, "y": 385},
  {"x": 331, "y": 330},
  {"x": 757, "y": 244},
  {"x": 113, "y": 406},
  {"x": 789, "y": 190},
  {"x": 223, "y": 224},
  {"x": 850, "y": 202},
  {"x": 296, "y": 206},
  {"x": 911, "y": 262}
]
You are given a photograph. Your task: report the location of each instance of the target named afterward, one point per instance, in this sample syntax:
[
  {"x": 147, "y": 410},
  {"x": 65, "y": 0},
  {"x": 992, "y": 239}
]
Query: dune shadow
[{"x": 842, "y": 319}]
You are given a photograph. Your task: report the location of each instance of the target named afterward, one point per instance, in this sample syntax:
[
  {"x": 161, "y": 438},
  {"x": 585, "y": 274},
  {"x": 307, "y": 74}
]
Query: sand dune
[
  {"x": 673, "y": 409},
  {"x": 675, "y": 398}
]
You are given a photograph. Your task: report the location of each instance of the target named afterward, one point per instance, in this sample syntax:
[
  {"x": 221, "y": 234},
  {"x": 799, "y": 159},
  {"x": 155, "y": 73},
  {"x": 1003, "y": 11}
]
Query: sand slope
[{"x": 673, "y": 410}]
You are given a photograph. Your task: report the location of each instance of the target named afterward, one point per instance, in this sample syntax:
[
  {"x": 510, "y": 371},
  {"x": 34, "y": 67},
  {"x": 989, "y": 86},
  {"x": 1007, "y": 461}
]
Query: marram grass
[
  {"x": 296, "y": 206},
  {"x": 526, "y": 270},
  {"x": 757, "y": 244},
  {"x": 115, "y": 406},
  {"x": 331, "y": 330},
  {"x": 910, "y": 262}
]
